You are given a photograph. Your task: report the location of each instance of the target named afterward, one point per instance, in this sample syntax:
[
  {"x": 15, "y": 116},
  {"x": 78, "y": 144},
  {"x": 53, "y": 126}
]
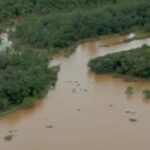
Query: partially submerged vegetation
[
  {"x": 146, "y": 94},
  {"x": 49, "y": 126},
  {"x": 133, "y": 119},
  {"x": 48, "y": 26},
  {"x": 134, "y": 63},
  {"x": 129, "y": 90},
  {"x": 8, "y": 137}
]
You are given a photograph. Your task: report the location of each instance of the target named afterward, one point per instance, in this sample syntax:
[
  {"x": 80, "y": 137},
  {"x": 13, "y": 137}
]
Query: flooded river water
[{"x": 84, "y": 111}]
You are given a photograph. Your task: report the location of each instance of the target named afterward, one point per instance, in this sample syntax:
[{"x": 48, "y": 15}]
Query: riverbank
[
  {"x": 138, "y": 34},
  {"x": 11, "y": 110},
  {"x": 30, "y": 104}
]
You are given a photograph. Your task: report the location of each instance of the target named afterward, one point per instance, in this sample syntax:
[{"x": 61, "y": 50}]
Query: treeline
[
  {"x": 17, "y": 8},
  {"x": 134, "y": 63},
  {"x": 58, "y": 30},
  {"x": 24, "y": 75}
]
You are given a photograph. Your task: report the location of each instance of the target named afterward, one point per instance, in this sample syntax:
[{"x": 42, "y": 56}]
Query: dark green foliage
[
  {"x": 129, "y": 90},
  {"x": 60, "y": 29},
  {"x": 134, "y": 63},
  {"x": 22, "y": 75},
  {"x": 16, "y": 8},
  {"x": 133, "y": 119},
  {"x": 146, "y": 94},
  {"x": 56, "y": 24}
]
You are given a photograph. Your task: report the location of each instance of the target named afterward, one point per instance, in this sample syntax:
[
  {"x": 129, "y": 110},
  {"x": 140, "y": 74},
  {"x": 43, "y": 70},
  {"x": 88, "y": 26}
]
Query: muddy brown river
[{"x": 84, "y": 111}]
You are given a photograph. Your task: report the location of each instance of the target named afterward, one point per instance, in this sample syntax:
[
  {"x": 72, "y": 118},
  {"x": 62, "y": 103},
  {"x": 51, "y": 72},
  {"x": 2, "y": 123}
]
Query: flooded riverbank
[{"x": 85, "y": 111}]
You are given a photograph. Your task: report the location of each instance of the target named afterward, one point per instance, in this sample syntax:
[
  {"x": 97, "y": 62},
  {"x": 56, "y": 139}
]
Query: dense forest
[
  {"x": 135, "y": 63},
  {"x": 50, "y": 25},
  {"x": 24, "y": 75},
  {"x": 16, "y": 8},
  {"x": 61, "y": 29}
]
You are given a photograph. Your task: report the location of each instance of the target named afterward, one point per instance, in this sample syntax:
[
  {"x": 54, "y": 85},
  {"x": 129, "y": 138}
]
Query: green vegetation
[
  {"x": 134, "y": 63},
  {"x": 61, "y": 29},
  {"x": 24, "y": 75},
  {"x": 129, "y": 90},
  {"x": 146, "y": 94},
  {"x": 16, "y": 8},
  {"x": 49, "y": 26},
  {"x": 28, "y": 103}
]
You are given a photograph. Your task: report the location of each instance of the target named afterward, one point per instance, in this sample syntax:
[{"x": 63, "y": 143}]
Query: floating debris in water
[
  {"x": 8, "y": 137},
  {"x": 50, "y": 126},
  {"x": 129, "y": 112},
  {"x": 12, "y": 131},
  {"x": 79, "y": 109},
  {"x": 73, "y": 90},
  {"x": 110, "y": 105},
  {"x": 133, "y": 119}
]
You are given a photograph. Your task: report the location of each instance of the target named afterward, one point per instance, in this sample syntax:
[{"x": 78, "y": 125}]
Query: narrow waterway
[{"x": 84, "y": 111}]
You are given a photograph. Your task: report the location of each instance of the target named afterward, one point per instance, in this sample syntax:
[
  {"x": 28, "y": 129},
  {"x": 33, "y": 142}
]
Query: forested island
[
  {"x": 134, "y": 63},
  {"x": 44, "y": 27}
]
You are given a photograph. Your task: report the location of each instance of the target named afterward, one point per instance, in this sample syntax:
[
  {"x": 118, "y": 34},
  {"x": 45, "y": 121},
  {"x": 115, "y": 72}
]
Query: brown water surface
[{"x": 84, "y": 111}]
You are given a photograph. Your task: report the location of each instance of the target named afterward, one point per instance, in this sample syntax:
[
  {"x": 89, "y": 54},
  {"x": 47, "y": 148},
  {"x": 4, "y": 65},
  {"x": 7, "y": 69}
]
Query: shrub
[{"x": 146, "y": 94}]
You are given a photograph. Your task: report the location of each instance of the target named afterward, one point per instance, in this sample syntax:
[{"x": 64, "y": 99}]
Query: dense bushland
[
  {"x": 56, "y": 24},
  {"x": 23, "y": 75},
  {"x": 135, "y": 63},
  {"x": 62, "y": 29},
  {"x": 17, "y": 8}
]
